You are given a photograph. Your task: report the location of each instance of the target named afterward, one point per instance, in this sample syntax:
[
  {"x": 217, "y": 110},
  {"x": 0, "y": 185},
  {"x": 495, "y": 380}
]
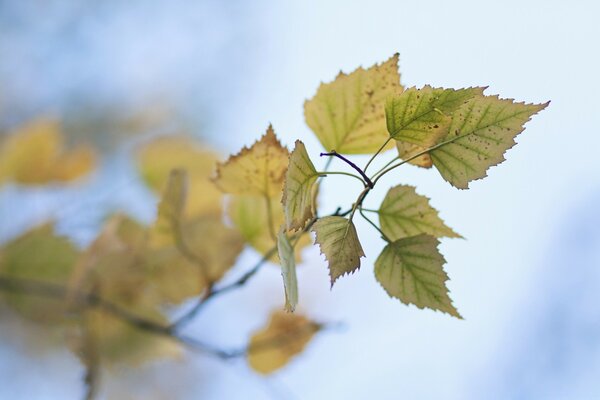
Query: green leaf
[
  {"x": 44, "y": 257},
  {"x": 297, "y": 191},
  {"x": 410, "y": 269},
  {"x": 480, "y": 133},
  {"x": 348, "y": 115},
  {"x": 288, "y": 270},
  {"x": 258, "y": 170},
  {"x": 422, "y": 116},
  {"x": 405, "y": 213},
  {"x": 339, "y": 243}
]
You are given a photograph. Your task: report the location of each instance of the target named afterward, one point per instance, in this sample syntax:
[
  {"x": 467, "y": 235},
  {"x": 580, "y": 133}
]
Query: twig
[{"x": 350, "y": 163}]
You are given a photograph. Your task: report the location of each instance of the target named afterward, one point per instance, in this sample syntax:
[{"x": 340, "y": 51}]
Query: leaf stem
[
  {"x": 376, "y": 154},
  {"x": 383, "y": 235},
  {"x": 325, "y": 173},
  {"x": 350, "y": 163},
  {"x": 386, "y": 165}
]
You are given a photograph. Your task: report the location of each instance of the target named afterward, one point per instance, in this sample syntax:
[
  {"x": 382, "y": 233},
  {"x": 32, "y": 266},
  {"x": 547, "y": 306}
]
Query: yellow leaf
[
  {"x": 158, "y": 158},
  {"x": 297, "y": 191},
  {"x": 286, "y": 335},
  {"x": 408, "y": 150},
  {"x": 170, "y": 210},
  {"x": 348, "y": 114},
  {"x": 35, "y": 154},
  {"x": 338, "y": 241},
  {"x": 258, "y": 170}
]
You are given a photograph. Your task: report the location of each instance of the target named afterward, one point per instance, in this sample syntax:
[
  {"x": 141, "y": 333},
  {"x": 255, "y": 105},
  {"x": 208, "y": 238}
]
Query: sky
[{"x": 526, "y": 278}]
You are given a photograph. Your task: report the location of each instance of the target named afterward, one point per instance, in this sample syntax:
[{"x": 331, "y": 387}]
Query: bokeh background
[{"x": 527, "y": 279}]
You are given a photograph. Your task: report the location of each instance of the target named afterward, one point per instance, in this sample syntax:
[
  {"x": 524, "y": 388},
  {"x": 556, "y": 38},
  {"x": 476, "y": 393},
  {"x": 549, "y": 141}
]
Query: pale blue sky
[{"x": 526, "y": 279}]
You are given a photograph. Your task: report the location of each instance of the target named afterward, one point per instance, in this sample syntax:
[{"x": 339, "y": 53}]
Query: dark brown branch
[{"x": 350, "y": 163}]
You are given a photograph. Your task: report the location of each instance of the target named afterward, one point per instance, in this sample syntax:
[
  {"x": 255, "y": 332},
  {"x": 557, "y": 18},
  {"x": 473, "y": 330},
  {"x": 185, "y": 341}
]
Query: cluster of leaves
[{"x": 114, "y": 293}]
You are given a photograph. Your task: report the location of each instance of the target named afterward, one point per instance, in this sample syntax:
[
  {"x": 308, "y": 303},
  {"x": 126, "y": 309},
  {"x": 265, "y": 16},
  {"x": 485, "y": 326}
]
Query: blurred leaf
[
  {"x": 348, "y": 115},
  {"x": 170, "y": 210},
  {"x": 297, "y": 192},
  {"x": 410, "y": 269},
  {"x": 158, "y": 158},
  {"x": 404, "y": 213},
  {"x": 288, "y": 270},
  {"x": 337, "y": 238},
  {"x": 481, "y": 132},
  {"x": 258, "y": 170},
  {"x": 249, "y": 214},
  {"x": 286, "y": 335},
  {"x": 35, "y": 154},
  {"x": 44, "y": 257}
]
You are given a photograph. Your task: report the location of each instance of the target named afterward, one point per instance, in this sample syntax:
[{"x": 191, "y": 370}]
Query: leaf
[
  {"x": 44, "y": 257},
  {"x": 407, "y": 150},
  {"x": 158, "y": 158},
  {"x": 422, "y": 116},
  {"x": 258, "y": 170},
  {"x": 347, "y": 115},
  {"x": 410, "y": 269},
  {"x": 249, "y": 214},
  {"x": 339, "y": 243},
  {"x": 35, "y": 154},
  {"x": 481, "y": 132},
  {"x": 297, "y": 191},
  {"x": 273, "y": 347},
  {"x": 173, "y": 277},
  {"x": 170, "y": 210},
  {"x": 404, "y": 213},
  {"x": 288, "y": 271}
]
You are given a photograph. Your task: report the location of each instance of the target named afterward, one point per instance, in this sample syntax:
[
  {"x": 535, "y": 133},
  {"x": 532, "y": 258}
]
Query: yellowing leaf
[
  {"x": 297, "y": 192},
  {"x": 404, "y": 213},
  {"x": 170, "y": 209},
  {"x": 211, "y": 251},
  {"x": 410, "y": 269},
  {"x": 288, "y": 270},
  {"x": 41, "y": 256},
  {"x": 339, "y": 243},
  {"x": 481, "y": 132},
  {"x": 249, "y": 214},
  {"x": 272, "y": 347},
  {"x": 35, "y": 154},
  {"x": 407, "y": 150},
  {"x": 348, "y": 115},
  {"x": 422, "y": 116},
  {"x": 158, "y": 158},
  {"x": 258, "y": 170}
]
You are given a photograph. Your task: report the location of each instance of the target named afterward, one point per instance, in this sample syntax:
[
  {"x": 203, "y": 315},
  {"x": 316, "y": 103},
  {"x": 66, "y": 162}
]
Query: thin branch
[
  {"x": 350, "y": 163},
  {"x": 50, "y": 290}
]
